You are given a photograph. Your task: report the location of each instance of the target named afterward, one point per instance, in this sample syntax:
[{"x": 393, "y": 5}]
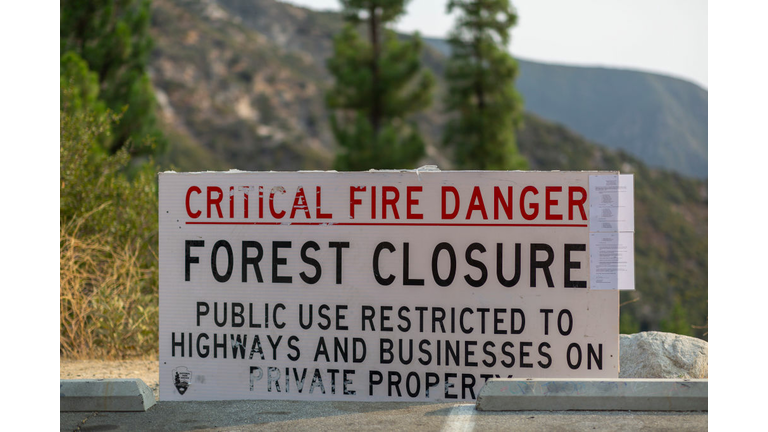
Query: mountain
[
  {"x": 241, "y": 84},
  {"x": 232, "y": 95},
  {"x": 661, "y": 120}
]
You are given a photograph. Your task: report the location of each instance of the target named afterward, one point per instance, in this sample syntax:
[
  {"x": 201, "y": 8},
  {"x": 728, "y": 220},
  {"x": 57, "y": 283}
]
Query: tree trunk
[{"x": 375, "y": 114}]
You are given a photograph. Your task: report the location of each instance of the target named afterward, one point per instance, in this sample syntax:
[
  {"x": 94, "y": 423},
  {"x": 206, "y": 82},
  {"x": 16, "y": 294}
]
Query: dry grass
[{"x": 108, "y": 306}]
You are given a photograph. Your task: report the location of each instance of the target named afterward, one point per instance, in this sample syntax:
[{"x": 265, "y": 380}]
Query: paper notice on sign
[
  {"x": 612, "y": 258},
  {"x": 611, "y": 204}
]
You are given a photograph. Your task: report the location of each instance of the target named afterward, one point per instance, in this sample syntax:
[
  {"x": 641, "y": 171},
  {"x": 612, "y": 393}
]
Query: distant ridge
[{"x": 659, "y": 119}]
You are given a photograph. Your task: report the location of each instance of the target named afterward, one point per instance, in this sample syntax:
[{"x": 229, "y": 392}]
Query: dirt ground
[{"x": 145, "y": 370}]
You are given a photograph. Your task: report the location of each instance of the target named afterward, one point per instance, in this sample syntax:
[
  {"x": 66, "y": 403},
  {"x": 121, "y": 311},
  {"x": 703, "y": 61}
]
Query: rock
[{"x": 662, "y": 355}]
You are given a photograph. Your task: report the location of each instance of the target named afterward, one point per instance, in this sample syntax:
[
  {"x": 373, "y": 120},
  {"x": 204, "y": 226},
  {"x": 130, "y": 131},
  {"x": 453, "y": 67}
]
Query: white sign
[{"x": 371, "y": 286}]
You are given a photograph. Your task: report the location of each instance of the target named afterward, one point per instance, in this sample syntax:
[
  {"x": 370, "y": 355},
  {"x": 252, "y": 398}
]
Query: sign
[{"x": 372, "y": 286}]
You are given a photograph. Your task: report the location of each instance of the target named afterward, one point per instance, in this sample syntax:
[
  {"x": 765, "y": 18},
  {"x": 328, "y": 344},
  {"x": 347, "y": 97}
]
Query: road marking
[{"x": 460, "y": 419}]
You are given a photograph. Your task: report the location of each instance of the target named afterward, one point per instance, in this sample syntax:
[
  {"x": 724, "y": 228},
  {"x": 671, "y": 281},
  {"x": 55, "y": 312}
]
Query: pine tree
[
  {"x": 480, "y": 75},
  {"x": 379, "y": 83},
  {"x": 112, "y": 37}
]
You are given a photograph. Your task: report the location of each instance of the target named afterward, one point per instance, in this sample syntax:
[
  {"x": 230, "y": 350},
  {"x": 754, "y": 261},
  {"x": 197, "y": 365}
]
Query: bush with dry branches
[
  {"x": 105, "y": 312},
  {"x": 108, "y": 243}
]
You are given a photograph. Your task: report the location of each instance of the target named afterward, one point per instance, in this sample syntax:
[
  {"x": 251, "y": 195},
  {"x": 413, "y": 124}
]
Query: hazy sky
[{"x": 663, "y": 36}]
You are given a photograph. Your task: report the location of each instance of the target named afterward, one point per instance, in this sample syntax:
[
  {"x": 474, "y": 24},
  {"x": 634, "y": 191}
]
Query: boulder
[{"x": 662, "y": 355}]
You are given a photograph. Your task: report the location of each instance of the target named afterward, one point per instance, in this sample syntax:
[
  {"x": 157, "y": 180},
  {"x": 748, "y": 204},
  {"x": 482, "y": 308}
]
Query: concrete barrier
[
  {"x": 508, "y": 394},
  {"x": 105, "y": 395}
]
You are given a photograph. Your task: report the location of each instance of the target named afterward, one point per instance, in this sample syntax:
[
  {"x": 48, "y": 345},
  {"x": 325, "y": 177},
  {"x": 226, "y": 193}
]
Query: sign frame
[{"x": 404, "y": 273}]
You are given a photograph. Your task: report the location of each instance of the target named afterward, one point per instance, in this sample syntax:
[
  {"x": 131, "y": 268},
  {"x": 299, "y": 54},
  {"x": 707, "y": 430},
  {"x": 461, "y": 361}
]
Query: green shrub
[
  {"x": 91, "y": 179},
  {"x": 108, "y": 243}
]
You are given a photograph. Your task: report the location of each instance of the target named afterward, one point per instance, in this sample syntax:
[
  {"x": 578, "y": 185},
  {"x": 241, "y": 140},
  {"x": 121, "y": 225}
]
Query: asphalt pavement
[{"x": 353, "y": 416}]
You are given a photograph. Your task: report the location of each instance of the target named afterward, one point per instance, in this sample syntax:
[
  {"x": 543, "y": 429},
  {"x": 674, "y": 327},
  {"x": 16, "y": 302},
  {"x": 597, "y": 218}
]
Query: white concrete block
[
  {"x": 105, "y": 395},
  {"x": 508, "y": 394}
]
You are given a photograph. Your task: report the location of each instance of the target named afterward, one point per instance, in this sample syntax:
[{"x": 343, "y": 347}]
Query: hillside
[
  {"x": 241, "y": 85},
  {"x": 671, "y": 248},
  {"x": 661, "y": 120},
  {"x": 233, "y": 96}
]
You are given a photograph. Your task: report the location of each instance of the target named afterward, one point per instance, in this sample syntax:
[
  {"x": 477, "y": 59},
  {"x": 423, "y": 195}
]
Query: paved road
[{"x": 354, "y": 416}]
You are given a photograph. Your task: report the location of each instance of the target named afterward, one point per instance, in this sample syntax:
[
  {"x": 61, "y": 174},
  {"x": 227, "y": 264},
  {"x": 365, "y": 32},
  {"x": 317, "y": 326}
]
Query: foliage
[
  {"x": 628, "y": 324},
  {"x": 112, "y": 38},
  {"x": 677, "y": 321},
  {"x": 95, "y": 183},
  {"x": 80, "y": 83},
  {"x": 108, "y": 227},
  {"x": 379, "y": 83},
  {"x": 108, "y": 237},
  {"x": 104, "y": 308},
  {"x": 480, "y": 75}
]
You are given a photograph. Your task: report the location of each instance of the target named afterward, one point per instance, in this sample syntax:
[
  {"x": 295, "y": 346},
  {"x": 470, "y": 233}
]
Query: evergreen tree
[
  {"x": 112, "y": 37},
  {"x": 78, "y": 86},
  {"x": 379, "y": 83},
  {"x": 480, "y": 75}
]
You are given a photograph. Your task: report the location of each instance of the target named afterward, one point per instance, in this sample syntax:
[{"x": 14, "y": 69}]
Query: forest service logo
[{"x": 181, "y": 379}]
